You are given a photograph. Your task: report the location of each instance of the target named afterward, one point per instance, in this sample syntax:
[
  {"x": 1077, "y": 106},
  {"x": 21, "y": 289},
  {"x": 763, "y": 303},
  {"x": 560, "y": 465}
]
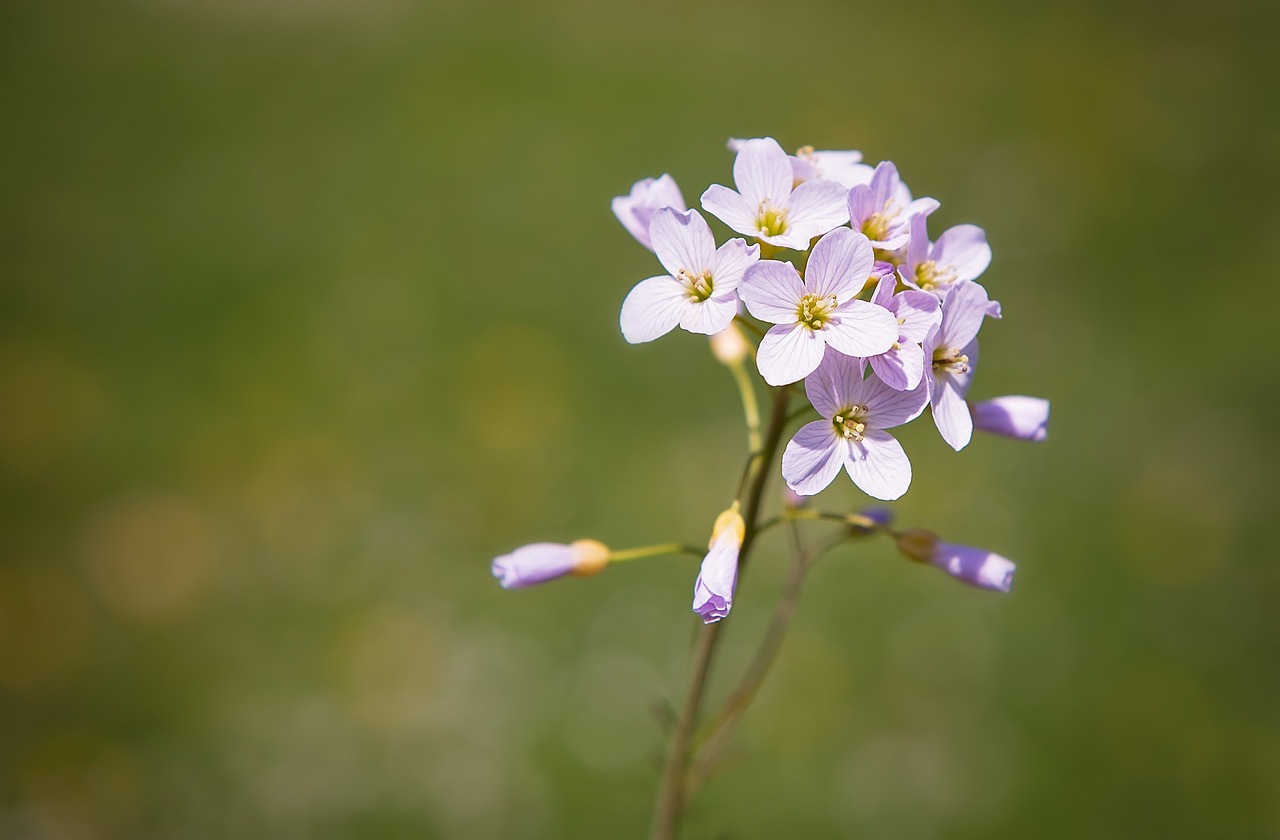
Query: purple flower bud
[
  {"x": 1024, "y": 418},
  {"x": 713, "y": 590},
  {"x": 541, "y": 562},
  {"x": 974, "y": 566}
]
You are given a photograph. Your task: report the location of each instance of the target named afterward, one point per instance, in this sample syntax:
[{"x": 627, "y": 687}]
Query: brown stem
[
  {"x": 717, "y": 733},
  {"x": 672, "y": 787}
]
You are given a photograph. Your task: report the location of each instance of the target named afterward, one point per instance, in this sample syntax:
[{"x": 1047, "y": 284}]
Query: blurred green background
[{"x": 308, "y": 308}]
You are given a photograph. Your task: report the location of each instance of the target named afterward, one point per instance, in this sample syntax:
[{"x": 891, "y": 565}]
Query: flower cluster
[
  {"x": 878, "y": 321},
  {"x": 854, "y": 306}
]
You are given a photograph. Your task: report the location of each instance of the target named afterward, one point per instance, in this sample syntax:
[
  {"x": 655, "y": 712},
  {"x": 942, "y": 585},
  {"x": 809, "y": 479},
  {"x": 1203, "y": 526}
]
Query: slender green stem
[
  {"x": 668, "y": 808},
  {"x": 750, "y": 407},
  {"x": 795, "y": 514},
  {"x": 721, "y": 727},
  {"x": 653, "y": 551}
]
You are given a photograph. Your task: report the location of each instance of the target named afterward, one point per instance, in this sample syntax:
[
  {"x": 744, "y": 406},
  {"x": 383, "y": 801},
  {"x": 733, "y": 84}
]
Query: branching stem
[{"x": 673, "y": 786}]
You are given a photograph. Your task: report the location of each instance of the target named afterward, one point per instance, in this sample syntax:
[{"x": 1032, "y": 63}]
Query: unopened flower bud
[
  {"x": 541, "y": 562},
  {"x": 974, "y": 566},
  {"x": 1024, "y": 418},
  {"x": 730, "y": 346},
  {"x": 718, "y": 577}
]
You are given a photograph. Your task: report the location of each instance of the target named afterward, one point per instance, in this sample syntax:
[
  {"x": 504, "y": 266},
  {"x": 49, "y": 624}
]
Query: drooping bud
[{"x": 718, "y": 577}]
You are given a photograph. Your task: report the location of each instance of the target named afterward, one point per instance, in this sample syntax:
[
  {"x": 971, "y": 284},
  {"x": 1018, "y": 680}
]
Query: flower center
[
  {"x": 879, "y": 225},
  {"x": 949, "y": 360},
  {"x": 929, "y": 275},
  {"x": 850, "y": 422},
  {"x": 771, "y": 221},
  {"x": 698, "y": 286},
  {"x": 814, "y": 312}
]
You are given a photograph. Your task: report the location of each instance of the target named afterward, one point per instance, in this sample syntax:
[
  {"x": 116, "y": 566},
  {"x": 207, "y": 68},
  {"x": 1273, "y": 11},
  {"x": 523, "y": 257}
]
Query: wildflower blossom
[
  {"x": 845, "y": 168},
  {"x": 952, "y": 349},
  {"x": 883, "y": 208},
  {"x": 808, "y": 164},
  {"x": 647, "y": 197},
  {"x": 541, "y": 562},
  {"x": 700, "y": 293},
  {"x": 765, "y": 204},
  {"x": 961, "y": 253},
  {"x": 974, "y": 566},
  {"x": 902, "y": 365},
  {"x": 819, "y": 310},
  {"x": 1024, "y": 418},
  {"x": 851, "y": 435},
  {"x": 718, "y": 577}
]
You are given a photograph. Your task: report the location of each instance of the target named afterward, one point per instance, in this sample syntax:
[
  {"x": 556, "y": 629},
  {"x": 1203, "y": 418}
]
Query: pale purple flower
[
  {"x": 647, "y": 197},
  {"x": 883, "y": 208},
  {"x": 845, "y": 168},
  {"x": 974, "y": 566},
  {"x": 952, "y": 349},
  {"x": 541, "y": 562},
  {"x": 960, "y": 254},
  {"x": 767, "y": 207},
  {"x": 1024, "y": 418},
  {"x": 718, "y": 577},
  {"x": 819, "y": 311},
  {"x": 808, "y": 164},
  {"x": 902, "y": 365},
  {"x": 700, "y": 293},
  {"x": 856, "y": 412}
]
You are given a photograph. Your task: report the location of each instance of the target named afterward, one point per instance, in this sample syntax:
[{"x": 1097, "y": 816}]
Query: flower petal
[
  {"x": 682, "y": 241},
  {"x": 772, "y": 291},
  {"x": 718, "y": 577},
  {"x": 879, "y": 466},
  {"x": 789, "y": 353},
  {"x": 962, "y": 314},
  {"x": 951, "y": 414},
  {"x": 762, "y": 170},
  {"x": 918, "y": 312},
  {"x": 858, "y": 328},
  {"x": 813, "y": 457},
  {"x": 966, "y": 248},
  {"x": 815, "y": 208},
  {"x": 653, "y": 308},
  {"x": 730, "y": 263},
  {"x": 886, "y": 406},
  {"x": 647, "y": 196},
  {"x": 900, "y": 369},
  {"x": 831, "y": 386},
  {"x": 711, "y": 315},
  {"x": 839, "y": 264},
  {"x": 730, "y": 208}
]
